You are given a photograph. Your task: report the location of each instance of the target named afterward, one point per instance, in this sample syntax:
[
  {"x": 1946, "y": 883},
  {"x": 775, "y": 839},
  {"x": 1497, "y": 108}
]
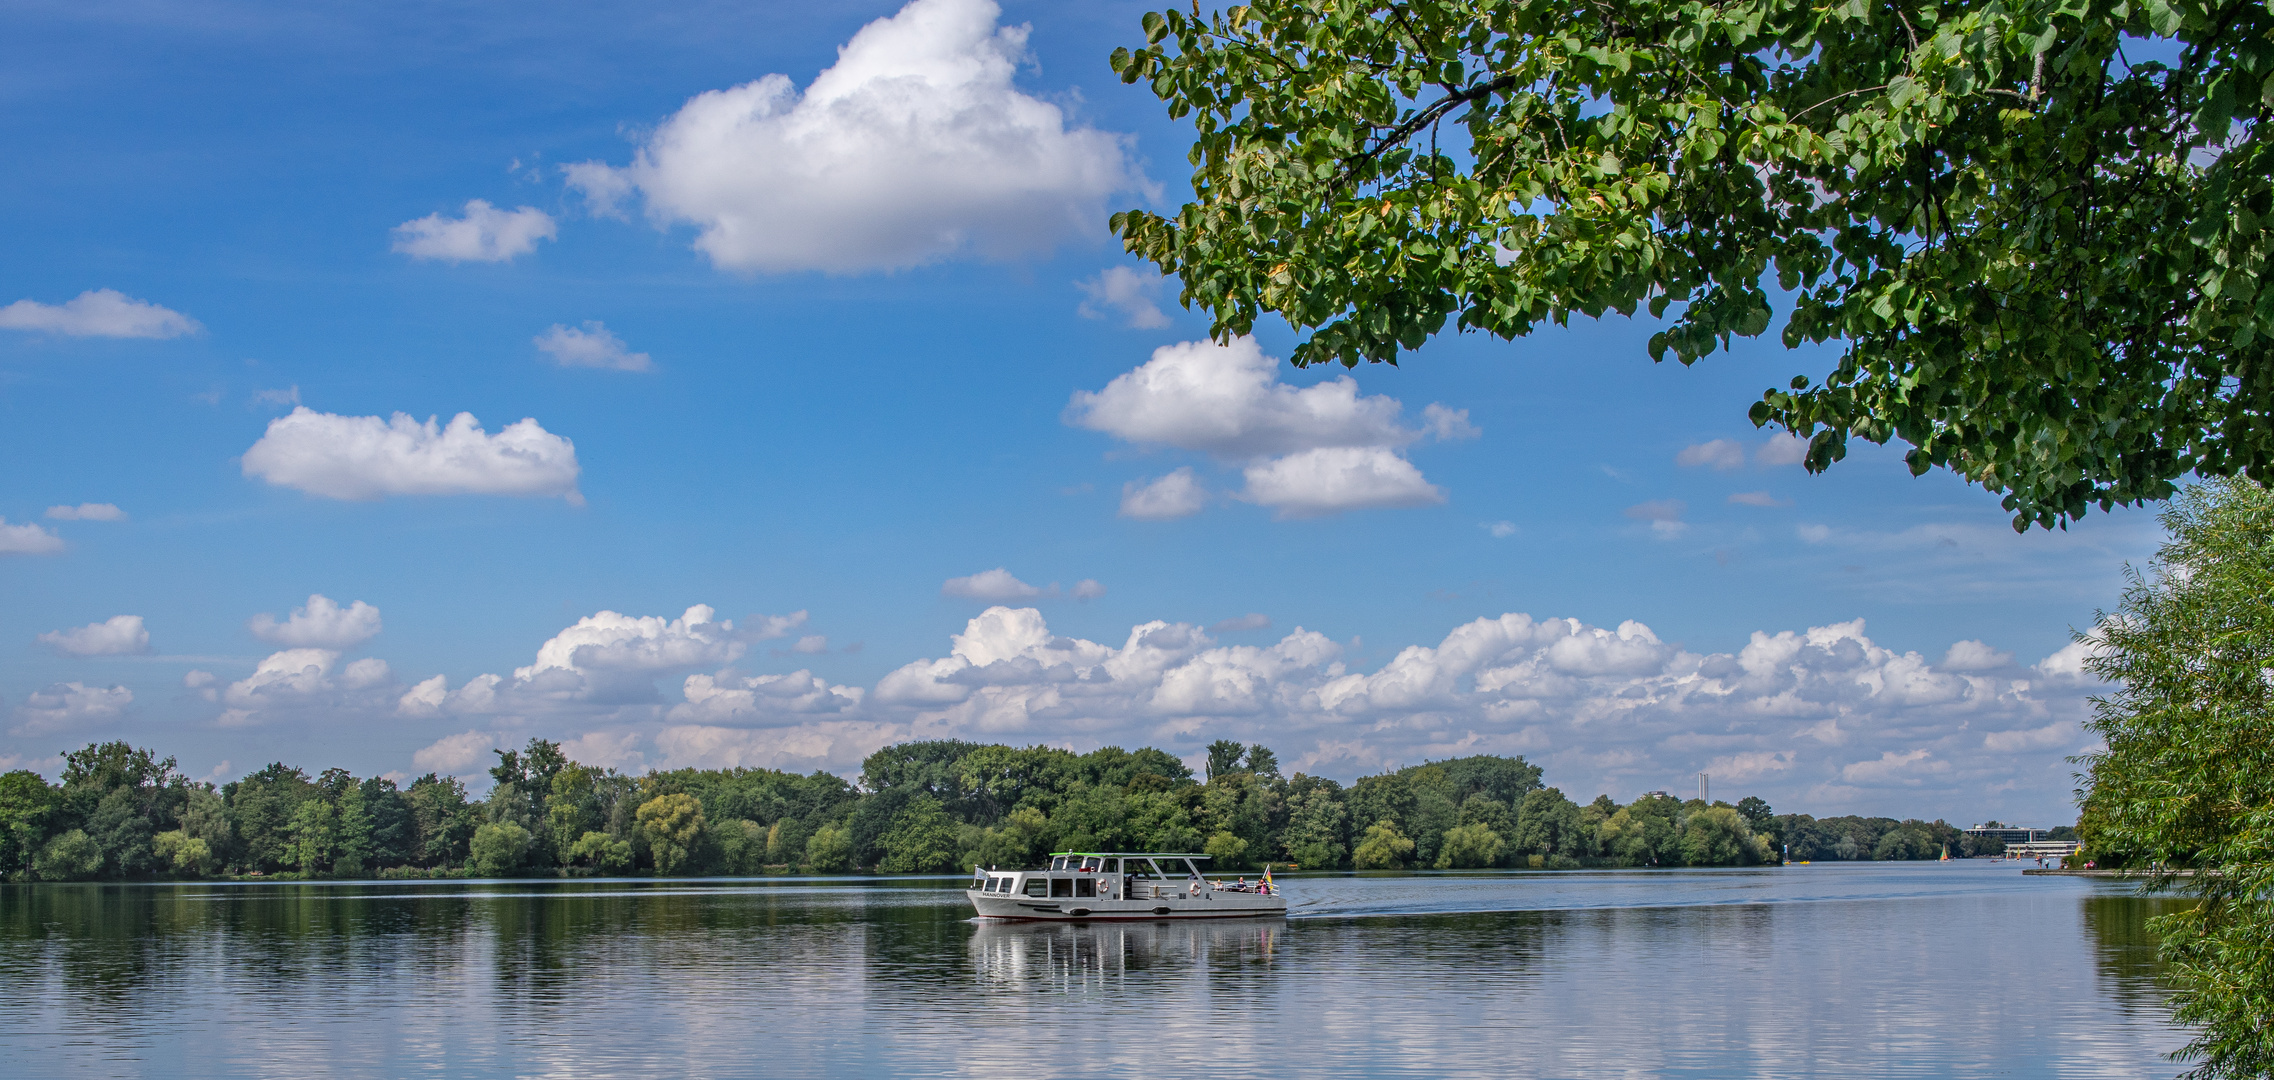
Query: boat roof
[{"x": 1131, "y": 854}]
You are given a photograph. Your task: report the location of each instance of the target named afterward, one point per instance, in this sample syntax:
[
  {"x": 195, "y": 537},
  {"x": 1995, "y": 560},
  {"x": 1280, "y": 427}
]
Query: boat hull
[{"x": 1211, "y": 904}]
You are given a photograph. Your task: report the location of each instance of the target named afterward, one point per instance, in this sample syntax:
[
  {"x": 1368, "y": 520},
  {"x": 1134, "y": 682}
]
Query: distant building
[
  {"x": 2042, "y": 849},
  {"x": 2011, "y": 834},
  {"x": 1656, "y": 795}
]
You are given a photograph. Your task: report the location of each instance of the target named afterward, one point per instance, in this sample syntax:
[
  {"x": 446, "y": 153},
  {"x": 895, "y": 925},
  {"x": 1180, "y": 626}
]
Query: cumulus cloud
[
  {"x": 365, "y": 457},
  {"x": 612, "y": 642},
  {"x": 996, "y": 584},
  {"x": 1721, "y": 454},
  {"x": 86, "y": 512},
  {"x": 307, "y": 683},
  {"x": 1126, "y": 291},
  {"x": 1303, "y": 451},
  {"x": 119, "y": 635},
  {"x": 29, "y": 538},
  {"x": 1823, "y": 718},
  {"x": 914, "y": 147},
  {"x": 1973, "y": 656},
  {"x": 594, "y": 346},
  {"x": 460, "y": 753},
  {"x": 1333, "y": 479},
  {"x": 1500, "y": 530},
  {"x": 1447, "y": 425},
  {"x": 98, "y": 313},
  {"x": 1165, "y": 498},
  {"x": 68, "y": 706},
  {"x": 484, "y": 234},
  {"x": 1781, "y": 450},
  {"x": 321, "y": 624}
]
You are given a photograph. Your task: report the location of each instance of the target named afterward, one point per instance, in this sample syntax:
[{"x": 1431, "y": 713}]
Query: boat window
[
  {"x": 1086, "y": 886},
  {"x": 1058, "y": 863},
  {"x": 1113, "y": 866},
  {"x": 1038, "y": 886},
  {"x": 1061, "y": 886},
  {"x": 996, "y": 884}
]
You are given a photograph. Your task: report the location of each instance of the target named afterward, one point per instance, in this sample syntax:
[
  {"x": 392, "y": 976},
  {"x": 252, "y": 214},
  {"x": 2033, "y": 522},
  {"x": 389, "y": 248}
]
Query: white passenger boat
[{"x": 1121, "y": 885}]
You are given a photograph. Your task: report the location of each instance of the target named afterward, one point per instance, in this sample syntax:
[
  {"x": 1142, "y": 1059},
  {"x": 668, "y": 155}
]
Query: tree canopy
[
  {"x": 2186, "y": 783},
  {"x": 2036, "y": 229}
]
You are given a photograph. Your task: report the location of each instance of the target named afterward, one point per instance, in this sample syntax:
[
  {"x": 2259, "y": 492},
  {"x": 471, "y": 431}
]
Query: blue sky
[{"x": 841, "y": 330}]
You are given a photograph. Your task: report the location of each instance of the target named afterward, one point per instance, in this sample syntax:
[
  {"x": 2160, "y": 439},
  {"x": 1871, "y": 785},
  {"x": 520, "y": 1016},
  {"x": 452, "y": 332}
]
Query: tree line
[{"x": 120, "y": 813}]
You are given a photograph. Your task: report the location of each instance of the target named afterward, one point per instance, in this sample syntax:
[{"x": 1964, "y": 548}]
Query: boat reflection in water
[{"x": 1074, "y": 956}]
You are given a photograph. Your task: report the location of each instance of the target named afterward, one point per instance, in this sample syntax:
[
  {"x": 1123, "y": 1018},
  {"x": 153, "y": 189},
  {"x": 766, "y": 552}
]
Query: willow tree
[
  {"x": 2185, "y": 787},
  {"x": 2036, "y": 230}
]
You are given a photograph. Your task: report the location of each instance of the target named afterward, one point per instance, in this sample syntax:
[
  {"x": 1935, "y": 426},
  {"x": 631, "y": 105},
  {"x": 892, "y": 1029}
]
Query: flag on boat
[{"x": 1267, "y": 879}]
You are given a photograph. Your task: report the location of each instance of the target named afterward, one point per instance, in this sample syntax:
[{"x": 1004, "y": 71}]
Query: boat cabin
[{"x": 1101, "y": 875}]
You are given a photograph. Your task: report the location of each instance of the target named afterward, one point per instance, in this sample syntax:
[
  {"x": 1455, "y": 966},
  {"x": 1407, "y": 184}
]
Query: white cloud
[
  {"x": 1908, "y": 767},
  {"x": 98, "y": 313},
  {"x": 996, "y": 584},
  {"x": 321, "y": 624},
  {"x": 1664, "y": 516},
  {"x": 1086, "y": 589},
  {"x": 365, "y": 457},
  {"x": 610, "y": 749},
  {"x": 1824, "y": 718},
  {"x": 278, "y": 398},
  {"x": 1781, "y": 450},
  {"x": 811, "y": 643},
  {"x": 2067, "y": 664},
  {"x": 86, "y": 512},
  {"x": 731, "y": 698},
  {"x": 119, "y": 635},
  {"x": 1500, "y": 530},
  {"x": 455, "y": 753},
  {"x": 1721, "y": 454},
  {"x": 2056, "y": 734},
  {"x": 611, "y": 642},
  {"x": 1337, "y": 478},
  {"x": 1306, "y": 451},
  {"x": 1250, "y": 621},
  {"x": 199, "y": 680},
  {"x": 1973, "y": 656},
  {"x": 594, "y": 346},
  {"x": 1227, "y": 401},
  {"x": 29, "y": 538},
  {"x": 1121, "y": 289},
  {"x": 1173, "y": 496},
  {"x": 66, "y": 706},
  {"x": 769, "y": 627},
  {"x": 1448, "y": 425},
  {"x": 484, "y": 234},
  {"x": 1757, "y": 498},
  {"x": 1814, "y": 534},
  {"x": 913, "y": 147}
]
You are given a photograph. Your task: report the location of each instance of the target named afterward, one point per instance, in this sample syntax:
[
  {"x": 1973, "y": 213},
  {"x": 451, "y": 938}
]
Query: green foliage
[
  {"x": 188, "y": 855},
  {"x": 315, "y": 829},
  {"x": 1227, "y": 850},
  {"x": 1382, "y": 848},
  {"x": 2046, "y": 264},
  {"x": 601, "y": 852},
  {"x": 673, "y": 826},
  {"x": 71, "y": 856},
  {"x": 499, "y": 849},
  {"x": 2186, "y": 784},
  {"x": 921, "y": 839},
  {"x": 26, "y": 805},
  {"x": 1467, "y": 847},
  {"x": 1720, "y": 836},
  {"x": 830, "y": 849}
]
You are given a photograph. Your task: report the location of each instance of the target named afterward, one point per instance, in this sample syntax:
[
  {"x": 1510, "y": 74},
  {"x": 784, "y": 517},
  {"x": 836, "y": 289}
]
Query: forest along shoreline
[{"x": 122, "y": 813}]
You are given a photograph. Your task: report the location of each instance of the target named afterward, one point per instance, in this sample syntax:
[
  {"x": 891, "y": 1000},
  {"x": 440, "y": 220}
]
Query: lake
[{"x": 1957, "y": 969}]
